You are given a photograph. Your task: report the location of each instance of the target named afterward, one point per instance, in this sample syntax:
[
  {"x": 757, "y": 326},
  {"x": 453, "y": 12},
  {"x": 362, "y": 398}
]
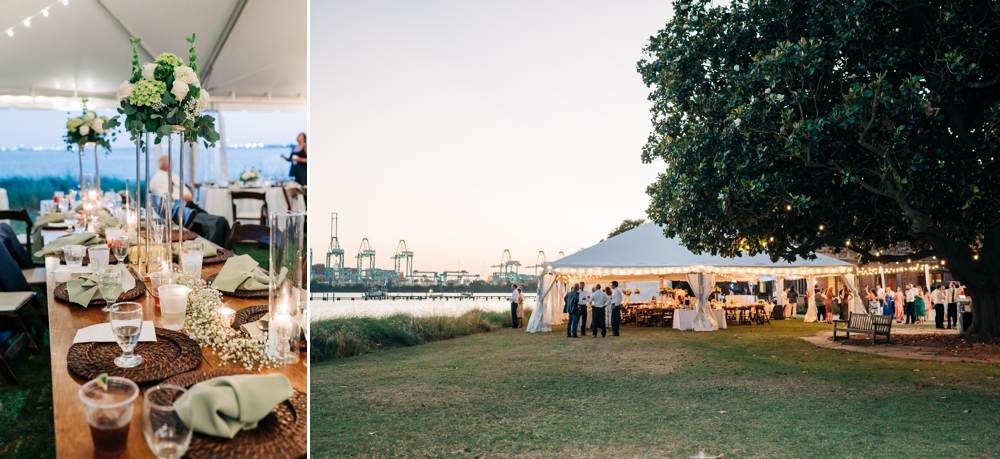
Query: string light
[{"x": 27, "y": 21}]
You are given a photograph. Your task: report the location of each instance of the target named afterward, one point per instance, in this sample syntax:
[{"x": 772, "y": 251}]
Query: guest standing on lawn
[
  {"x": 953, "y": 294},
  {"x": 880, "y": 293},
  {"x": 938, "y": 299},
  {"x": 616, "y": 308},
  {"x": 888, "y": 309},
  {"x": 598, "y": 302},
  {"x": 919, "y": 304},
  {"x": 584, "y": 297},
  {"x": 572, "y": 308},
  {"x": 793, "y": 301},
  {"x": 900, "y": 301},
  {"x": 513, "y": 305},
  {"x": 911, "y": 298}
]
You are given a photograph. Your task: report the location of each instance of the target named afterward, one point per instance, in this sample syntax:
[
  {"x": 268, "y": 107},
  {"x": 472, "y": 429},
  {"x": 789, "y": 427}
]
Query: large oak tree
[{"x": 791, "y": 125}]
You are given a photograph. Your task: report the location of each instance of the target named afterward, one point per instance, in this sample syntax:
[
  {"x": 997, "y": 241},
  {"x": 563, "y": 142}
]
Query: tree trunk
[{"x": 985, "y": 310}]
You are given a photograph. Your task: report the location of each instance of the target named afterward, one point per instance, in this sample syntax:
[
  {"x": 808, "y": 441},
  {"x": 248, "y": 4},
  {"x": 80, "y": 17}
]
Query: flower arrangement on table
[
  {"x": 635, "y": 292},
  {"x": 164, "y": 96},
  {"x": 87, "y": 128},
  {"x": 666, "y": 291},
  {"x": 207, "y": 327},
  {"x": 717, "y": 289},
  {"x": 249, "y": 175}
]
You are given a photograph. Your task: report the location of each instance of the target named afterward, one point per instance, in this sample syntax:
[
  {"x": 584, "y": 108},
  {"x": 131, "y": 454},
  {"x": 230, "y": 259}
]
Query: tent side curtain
[{"x": 545, "y": 293}]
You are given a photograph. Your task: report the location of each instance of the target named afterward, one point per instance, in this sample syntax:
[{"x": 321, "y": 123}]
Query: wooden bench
[{"x": 874, "y": 325}]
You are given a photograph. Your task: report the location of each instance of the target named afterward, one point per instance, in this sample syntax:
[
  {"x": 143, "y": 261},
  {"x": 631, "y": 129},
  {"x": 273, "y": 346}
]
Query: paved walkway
[{"x": 823, "y": 339}]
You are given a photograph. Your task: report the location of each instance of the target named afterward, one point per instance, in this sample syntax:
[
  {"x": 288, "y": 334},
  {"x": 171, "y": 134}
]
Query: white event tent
[
  {"x": 645, "y": 254},
  {"x": 252, "y": 55}
]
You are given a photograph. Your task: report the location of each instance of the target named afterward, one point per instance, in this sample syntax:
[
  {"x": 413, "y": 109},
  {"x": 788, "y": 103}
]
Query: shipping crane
[
  {"x": 366, "y": 251},
  {"x": 403, "y": 255},
  {"x": 334, "y": 255},
  {"x": 508, "y": 268},
  {"x": 540, "y": 261}
]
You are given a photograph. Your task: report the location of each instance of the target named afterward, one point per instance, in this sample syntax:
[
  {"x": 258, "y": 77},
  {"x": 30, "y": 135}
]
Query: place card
[{"x": 102, "y": 333}]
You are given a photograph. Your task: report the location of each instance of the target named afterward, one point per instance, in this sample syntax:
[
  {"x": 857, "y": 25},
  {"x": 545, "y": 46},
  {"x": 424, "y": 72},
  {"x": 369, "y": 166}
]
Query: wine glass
[
  {"x": 69, "y": 218},
  {"x": 119, "y": 247},
  {"x": 166, "y": 434},
  {"x": 80, "y": 221},
  {"x": 126, "y": 323},
  {"x": 109, "y": 281}
]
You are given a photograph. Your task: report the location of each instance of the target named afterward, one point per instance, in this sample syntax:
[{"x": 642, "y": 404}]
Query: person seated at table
[{"x": 211, "y": 227}]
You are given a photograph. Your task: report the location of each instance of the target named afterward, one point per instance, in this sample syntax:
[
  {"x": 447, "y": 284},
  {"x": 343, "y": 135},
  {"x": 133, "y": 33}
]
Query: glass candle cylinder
[{"x": 287, "y": 256}]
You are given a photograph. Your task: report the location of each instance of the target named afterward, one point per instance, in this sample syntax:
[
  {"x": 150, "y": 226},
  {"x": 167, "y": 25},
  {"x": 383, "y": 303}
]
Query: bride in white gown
[{"x": 812, "y": 315}]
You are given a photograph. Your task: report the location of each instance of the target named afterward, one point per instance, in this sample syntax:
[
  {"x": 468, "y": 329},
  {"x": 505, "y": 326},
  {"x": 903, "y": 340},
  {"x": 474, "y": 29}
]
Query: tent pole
[{"x": 223, "y": 161}]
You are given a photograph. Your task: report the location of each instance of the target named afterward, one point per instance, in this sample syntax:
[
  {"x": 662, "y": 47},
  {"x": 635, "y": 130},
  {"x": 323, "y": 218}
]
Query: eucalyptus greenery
[
  {"x": 163, "y": 95},
  {"x": 792, "y": 125}
]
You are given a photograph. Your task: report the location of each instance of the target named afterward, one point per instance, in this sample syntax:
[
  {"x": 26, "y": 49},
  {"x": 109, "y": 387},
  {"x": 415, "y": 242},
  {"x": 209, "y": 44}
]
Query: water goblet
[
  {"x": 109, "y": 281},
  {"x": 126, "y": 323},
  {"x": 80, "y": 222},
  {"x": 74, "y": 255},
  {"x": 119, "y": 246},
  {"x": 69, "y": 218},
  {"x": 166, "y": 434}
]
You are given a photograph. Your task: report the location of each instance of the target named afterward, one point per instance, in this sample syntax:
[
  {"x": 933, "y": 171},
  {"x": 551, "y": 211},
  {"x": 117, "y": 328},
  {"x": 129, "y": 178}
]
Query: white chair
[{"x": 10, "y": 304}]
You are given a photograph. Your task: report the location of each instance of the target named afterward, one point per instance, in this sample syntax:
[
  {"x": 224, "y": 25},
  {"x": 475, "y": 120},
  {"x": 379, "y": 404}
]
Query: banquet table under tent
[{"x": 644, "y": 254}]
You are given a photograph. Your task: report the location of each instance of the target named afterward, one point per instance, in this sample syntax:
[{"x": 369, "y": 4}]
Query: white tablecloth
[
  {"x": 217, "y": 201},
  {"x": 684, "y": 318}
]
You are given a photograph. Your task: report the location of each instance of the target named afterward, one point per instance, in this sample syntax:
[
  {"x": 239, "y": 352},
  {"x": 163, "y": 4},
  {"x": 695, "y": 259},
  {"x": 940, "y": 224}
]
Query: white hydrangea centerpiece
[
  {"x": 87, "y": 128},
  {"x": 250, "y": 175},
  {"x": 163, "y": 95}
]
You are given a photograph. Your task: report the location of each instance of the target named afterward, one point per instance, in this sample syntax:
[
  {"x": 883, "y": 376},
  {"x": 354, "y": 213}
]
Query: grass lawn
[
  {"x": 27, "y": 429},
  {"x": 749, "y": 391}
]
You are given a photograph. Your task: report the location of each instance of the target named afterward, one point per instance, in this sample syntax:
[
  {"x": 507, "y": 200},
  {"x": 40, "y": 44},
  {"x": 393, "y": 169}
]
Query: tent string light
[{"x": 27, "y": 21}]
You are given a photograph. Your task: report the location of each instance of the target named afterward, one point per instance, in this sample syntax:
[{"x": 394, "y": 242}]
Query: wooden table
[{"x": 72, "y": 434}]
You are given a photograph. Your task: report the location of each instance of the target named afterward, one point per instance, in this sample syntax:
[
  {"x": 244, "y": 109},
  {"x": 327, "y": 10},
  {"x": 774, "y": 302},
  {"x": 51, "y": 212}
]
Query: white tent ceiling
[
  {"x": 644, "y": 252},
  {"x": 251, "y": 53}
]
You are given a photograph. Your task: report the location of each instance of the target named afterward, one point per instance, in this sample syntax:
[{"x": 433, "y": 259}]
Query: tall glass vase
[{"x": 287, "y": 257}]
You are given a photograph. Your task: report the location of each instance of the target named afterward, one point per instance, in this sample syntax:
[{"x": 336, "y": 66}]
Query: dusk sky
[{"x": 467, "y": 128}]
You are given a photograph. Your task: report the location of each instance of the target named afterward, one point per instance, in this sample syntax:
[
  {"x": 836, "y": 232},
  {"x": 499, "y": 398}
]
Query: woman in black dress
[{"x": 299, "y": 159}]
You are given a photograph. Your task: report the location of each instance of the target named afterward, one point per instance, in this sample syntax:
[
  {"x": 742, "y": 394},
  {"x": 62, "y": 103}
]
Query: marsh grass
[{"x": 346, "y": 337}]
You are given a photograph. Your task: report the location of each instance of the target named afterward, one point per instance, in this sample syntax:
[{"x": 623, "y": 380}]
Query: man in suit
[
  {"x": 584, "y": 296},
  {"x": 572, "y": 308},
  {"x": 513, "y": 305}
]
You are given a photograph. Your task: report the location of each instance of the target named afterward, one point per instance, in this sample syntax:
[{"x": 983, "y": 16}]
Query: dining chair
[
  {"x": 20, "y": 216},
  {"x": 251, "y": 196},
  {"x": 248, "y": 233},
  {"x": 291, "y": 193},
  {"x": 10, "y": 306}
]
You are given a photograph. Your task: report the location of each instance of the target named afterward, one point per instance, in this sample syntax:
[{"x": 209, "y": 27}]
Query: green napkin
[
  {"x": 224, "y": 406},
  {"x": 208, "y": 250},
  {"x": 82, "y": 290},
  {"x": 36, "y": 234},
  {"x": 56, "y": 246},
  {"x": 241, "y": 272},
  {"x": 236, "y": 270}
]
